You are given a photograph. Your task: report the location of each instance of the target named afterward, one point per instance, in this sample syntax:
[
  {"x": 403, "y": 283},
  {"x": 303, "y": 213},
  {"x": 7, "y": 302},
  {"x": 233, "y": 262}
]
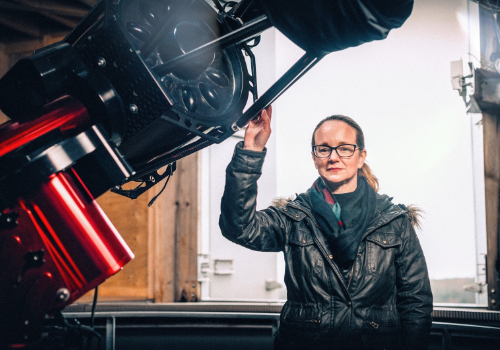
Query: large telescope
[{"x": 137, "y": 85}]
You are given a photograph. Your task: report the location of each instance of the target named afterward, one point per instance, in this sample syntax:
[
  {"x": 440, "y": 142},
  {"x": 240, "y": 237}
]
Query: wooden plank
[
  {"x": 162, "y": 247},
  {"x": 491, "y": 143},
  {"x": 90, "y": 3},
  {"x": 64, "y": 21},
  {"x": 14, "y": 22},
  {"x": 4, "y": 60},
  {"x": 52, "y": 38},
  {"x": 130, "y": 217},
  {"x": 55, "y": 7},
  {"x": 186, "y": 230},
  {"x": 4, "y": 5},
  {"x": 491, "y": 135},
  {"x": 175, "y": 221},
  {"x": 22, "y": 46}
]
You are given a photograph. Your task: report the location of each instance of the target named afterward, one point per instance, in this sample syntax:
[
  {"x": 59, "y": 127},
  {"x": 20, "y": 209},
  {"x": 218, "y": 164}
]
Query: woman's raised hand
[{"x": 258, "y": 131}]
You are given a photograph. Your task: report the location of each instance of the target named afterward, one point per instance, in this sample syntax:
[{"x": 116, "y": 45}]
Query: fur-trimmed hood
[{"x": 414, "y": 212}]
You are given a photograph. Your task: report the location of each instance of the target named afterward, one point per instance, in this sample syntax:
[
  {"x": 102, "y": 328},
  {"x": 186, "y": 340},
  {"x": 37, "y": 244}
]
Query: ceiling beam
[
  {"x": 54, "y": 7},
  {"x": 90, "y": 3},
  {"x": 4, "y": 5},
  {"x": 19, "y": 25},
  {"x": 65, "y": 21}
]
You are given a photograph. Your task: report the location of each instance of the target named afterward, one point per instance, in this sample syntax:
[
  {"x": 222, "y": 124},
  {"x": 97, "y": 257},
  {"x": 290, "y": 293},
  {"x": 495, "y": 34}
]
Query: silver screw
[
  {"x": 133, "y": 108},
  {"x": 493, "y": 290},
  {"x": 235, "y": 127},
  {"x": 26, "y": 322},
  {"x": 101, "y": 62},
  {"x": 493, "y": 301},
  {"x": 62, "y": 294},
  {"x": 89, "y": 37}
]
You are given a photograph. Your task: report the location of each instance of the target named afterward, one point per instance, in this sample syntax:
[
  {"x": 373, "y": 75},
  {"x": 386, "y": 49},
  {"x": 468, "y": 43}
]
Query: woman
[{"x": 355, "y": 273}]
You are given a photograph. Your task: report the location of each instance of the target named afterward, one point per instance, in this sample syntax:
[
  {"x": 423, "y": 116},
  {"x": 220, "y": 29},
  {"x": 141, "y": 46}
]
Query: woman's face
[{"x": 339, "y": 174}]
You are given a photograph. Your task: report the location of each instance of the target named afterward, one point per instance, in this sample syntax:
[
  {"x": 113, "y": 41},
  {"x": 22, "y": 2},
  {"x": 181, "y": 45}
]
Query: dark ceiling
[{"x": 33, "y": 19}]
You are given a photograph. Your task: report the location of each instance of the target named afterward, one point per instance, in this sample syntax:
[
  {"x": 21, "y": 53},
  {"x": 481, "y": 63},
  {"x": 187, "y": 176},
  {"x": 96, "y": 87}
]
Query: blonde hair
[{"x": 365, "y": 171}]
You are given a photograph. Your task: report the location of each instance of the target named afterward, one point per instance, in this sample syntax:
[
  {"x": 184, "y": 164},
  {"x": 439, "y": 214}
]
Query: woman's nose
[{"x": 334, "y": 156}]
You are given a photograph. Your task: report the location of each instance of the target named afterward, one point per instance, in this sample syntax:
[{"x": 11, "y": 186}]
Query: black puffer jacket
[{"x": 383, "y": 302}]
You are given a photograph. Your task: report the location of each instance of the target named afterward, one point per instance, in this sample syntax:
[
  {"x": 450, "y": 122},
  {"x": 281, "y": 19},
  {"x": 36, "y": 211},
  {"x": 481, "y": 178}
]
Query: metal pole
[
  {"x": 110, "y": 333},
  {"x": 306, "y": 62}
]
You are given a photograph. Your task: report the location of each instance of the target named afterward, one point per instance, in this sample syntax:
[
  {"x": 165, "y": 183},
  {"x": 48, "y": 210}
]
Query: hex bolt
[
  {"x": 62, "y": 294},
  {"x": 133, "y": 108},
  {"x": 101, "y": 62}
]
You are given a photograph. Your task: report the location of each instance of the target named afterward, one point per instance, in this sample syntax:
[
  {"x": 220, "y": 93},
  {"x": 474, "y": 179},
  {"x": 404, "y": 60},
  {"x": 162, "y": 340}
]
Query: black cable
[
  {"x": 94, "y": 303},
  {"x": 165, "y": 185}
]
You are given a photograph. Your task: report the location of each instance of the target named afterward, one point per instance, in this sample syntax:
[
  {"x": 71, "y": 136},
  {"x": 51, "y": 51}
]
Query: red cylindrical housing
[{"x": 80, "y": 239}]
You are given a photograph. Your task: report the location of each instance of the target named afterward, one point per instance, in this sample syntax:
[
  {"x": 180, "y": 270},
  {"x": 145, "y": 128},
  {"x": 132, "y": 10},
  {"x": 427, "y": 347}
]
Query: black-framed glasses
[{"x": 344, "y": 151}]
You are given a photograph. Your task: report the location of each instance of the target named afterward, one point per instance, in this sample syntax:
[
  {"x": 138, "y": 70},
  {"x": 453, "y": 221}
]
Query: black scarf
[{"x": 344, "y": 234}]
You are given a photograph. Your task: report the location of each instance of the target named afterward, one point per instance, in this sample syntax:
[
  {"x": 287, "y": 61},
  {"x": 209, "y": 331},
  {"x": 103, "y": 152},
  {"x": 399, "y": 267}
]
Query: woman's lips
[{"x": 334, "y": 169}]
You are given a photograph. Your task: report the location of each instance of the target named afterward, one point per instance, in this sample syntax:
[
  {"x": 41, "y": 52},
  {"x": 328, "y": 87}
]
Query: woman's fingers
[{"x": 258, "y": 130}]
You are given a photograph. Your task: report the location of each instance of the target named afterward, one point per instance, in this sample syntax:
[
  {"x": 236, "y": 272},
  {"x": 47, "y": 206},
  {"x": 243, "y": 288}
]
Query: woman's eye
[{"x": 323, "y": 150}]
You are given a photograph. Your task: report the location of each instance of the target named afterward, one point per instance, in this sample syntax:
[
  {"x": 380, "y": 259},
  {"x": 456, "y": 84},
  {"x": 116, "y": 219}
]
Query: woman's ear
[
  {"x": 314, "y": 160},
  {"x": 362, "y": 157}
]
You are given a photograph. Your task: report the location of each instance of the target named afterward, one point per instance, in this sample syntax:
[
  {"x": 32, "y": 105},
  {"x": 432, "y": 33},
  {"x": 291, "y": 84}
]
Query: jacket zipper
[
  {"x": 312, "y": 320},
  {"x": 335, "y": 268},
  {"x": 352, "y": 273}
]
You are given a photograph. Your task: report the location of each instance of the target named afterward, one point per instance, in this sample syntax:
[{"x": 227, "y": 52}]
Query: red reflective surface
[
  {"x": 66, "y": 114},
  {"x": 82, "y": 242}
]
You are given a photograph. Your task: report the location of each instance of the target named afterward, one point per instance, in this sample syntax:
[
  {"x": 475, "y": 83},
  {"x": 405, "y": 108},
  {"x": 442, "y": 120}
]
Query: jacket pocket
[
  {"x": 382, "y": 248},
  {"x": 305, "y": 256},
  {"x": 382, "y": 330}
]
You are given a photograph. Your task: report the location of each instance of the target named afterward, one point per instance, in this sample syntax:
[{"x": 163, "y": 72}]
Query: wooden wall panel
[
  {"x": 491, "y": 140},
  {"x": 491, "y": 143},
  {"x": 163, "y": 237}
]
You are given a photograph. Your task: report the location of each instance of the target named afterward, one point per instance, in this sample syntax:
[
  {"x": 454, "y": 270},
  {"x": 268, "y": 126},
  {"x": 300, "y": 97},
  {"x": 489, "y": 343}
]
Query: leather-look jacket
[{"x": 383, "y": 301}]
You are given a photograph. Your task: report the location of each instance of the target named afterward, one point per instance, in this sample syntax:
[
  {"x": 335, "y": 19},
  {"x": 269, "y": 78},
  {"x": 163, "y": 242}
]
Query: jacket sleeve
[
  {"x": 239, "y": 221},
  {"x": 414, "y": 296}
]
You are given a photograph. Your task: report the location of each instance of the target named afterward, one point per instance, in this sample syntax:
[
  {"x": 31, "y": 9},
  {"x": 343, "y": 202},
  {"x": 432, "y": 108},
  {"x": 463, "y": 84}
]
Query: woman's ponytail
[{"x": 372, "y": 180}]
